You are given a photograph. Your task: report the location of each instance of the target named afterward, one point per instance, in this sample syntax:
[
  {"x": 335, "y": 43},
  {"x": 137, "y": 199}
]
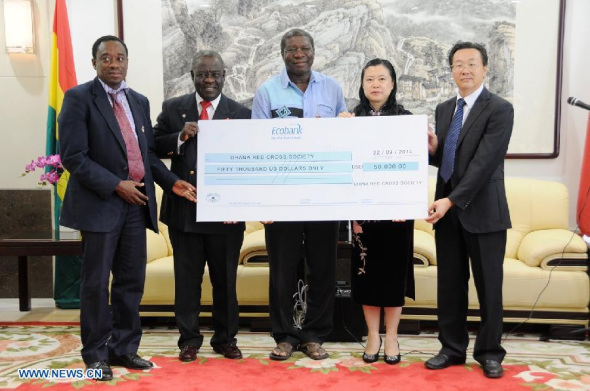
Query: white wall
[
  {"x": 89, "y": 19},
  {"x": 23, "y": 102},
  {"x": 576, "y": 82},
  {"x": 23, "y": 82},
  {"x": 143, "y": 36}
]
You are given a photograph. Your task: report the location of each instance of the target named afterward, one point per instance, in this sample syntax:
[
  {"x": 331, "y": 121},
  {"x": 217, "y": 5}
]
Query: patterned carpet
[{"x": 530, "y": 364}]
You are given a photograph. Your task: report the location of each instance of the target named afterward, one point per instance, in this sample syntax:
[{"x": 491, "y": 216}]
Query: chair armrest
[
  {"x": 156, "y": 246},
  {"x": 253, "y": 252},
  {"x": 424, "y": 249},
  {"x": 553, "y": 248}
]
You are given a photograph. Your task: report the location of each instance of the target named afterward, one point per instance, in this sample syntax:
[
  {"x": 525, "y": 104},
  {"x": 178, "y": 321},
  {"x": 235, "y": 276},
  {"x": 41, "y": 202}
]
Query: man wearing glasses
[
  {"x": 470, "y": 213},
  {"x": 195, "y": 244},
  {"x": 301, "y": 93}
]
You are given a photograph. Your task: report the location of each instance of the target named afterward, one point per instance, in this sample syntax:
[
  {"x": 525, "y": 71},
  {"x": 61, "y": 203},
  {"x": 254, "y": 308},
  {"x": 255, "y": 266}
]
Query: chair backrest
[{"x": 534, "y": 205}]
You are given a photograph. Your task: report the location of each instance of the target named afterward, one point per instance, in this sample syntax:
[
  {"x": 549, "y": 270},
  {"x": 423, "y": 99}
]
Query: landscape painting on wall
[{"x": 415, "y": 35}]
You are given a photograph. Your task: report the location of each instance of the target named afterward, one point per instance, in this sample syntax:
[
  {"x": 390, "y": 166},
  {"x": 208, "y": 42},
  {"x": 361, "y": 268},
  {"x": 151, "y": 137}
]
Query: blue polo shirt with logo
[{"x": 278, "y": 97}]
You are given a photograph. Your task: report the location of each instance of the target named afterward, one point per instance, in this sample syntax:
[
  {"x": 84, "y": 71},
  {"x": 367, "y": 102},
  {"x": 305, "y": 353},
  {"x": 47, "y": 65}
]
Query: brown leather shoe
[
  {"x": 229, "y": 350},
  {"x": 188, "y": 353}
]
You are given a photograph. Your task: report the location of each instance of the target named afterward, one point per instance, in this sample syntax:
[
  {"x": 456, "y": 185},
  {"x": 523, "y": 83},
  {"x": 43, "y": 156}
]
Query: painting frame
[{"x": 553, "y": 56}]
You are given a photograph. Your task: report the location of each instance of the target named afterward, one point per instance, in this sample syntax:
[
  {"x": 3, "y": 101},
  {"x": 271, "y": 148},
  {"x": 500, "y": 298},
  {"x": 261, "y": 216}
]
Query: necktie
[
  {"x": 204, "y": 105},
  {"x": 134, "y": 159},
  {"x": 448, "y": 158}
]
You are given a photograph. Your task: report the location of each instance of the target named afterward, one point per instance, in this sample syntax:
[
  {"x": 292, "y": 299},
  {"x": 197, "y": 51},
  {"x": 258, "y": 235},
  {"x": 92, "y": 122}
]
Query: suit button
[
  {"x": 125, "y": 168},
  {"x": 192, "y": 172}
]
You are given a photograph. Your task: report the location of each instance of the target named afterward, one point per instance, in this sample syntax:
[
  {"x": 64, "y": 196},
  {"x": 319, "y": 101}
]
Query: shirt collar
[
  {"x": 471, "y": 98},
  {"x": 214, "y": 102},
  {"x": 109, "y": 90},
  {"x": 285, "y": 81}
]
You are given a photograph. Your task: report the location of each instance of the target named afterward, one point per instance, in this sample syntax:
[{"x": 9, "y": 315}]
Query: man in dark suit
[
  {"x": 216, "y": 244},
  {"x": 470, "y": 211},
  {"x": 106, "y": 144}
]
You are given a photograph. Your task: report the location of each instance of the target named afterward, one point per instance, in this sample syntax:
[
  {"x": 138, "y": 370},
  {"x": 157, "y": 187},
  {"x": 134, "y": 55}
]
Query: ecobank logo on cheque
[{"x": 287, "y": 130}]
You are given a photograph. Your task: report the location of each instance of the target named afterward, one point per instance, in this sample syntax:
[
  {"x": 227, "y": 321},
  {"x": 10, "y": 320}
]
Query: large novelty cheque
[{"x": 366, "y": 168}]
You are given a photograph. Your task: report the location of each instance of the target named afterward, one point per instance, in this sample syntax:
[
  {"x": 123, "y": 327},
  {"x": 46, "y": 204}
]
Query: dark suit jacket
[
  {"x": 477, "y": 182},
  {"x": 92, "y": 149},
  {"x": 177, "y": 212}
]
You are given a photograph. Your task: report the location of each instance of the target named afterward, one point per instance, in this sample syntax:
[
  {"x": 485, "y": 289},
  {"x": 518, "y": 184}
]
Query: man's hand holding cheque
[{"x": 189, "y": 130}]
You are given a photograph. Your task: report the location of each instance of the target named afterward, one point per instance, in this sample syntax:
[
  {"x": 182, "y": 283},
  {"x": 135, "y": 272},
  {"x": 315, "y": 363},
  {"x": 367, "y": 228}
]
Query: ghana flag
[{"x": 62, "y": 77}]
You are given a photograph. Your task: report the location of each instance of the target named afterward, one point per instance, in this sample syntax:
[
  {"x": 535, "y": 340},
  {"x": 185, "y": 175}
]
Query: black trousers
[
  {"x": 221, "y": 253},
  {"x": 117, "y": 330},
  {"x": 288, "y": 243},
  {"x": 454, "y": 248}
]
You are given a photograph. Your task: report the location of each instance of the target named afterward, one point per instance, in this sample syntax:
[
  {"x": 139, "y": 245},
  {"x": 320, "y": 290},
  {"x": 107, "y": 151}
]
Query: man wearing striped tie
[
  {"x": 470, "y": 211},
  {"x": 106, "y": 143},
  {"x": 196, "y": 244}
]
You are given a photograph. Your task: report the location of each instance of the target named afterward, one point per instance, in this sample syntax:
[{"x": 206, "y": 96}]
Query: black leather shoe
[
  {"x": 370, "y": 358},
  {"x": 229, "y": 350},
  {"x": 188, "y": 353},
  {"x": 392, "y": 360},
  {"x": 131, "y": 361},
  {"x": 492, "y": 369},
  {"x": 107, "y": 372},
  {"x": 441, "y": 361}
]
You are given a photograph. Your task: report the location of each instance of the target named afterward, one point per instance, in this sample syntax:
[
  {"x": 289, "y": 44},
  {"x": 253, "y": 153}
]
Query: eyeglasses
[
  {"x": 304, "y": 50},
  {"x": 108, "y": 60},
  {"x": 204, "y": 75},
  {"x": 461, "y": 67}
]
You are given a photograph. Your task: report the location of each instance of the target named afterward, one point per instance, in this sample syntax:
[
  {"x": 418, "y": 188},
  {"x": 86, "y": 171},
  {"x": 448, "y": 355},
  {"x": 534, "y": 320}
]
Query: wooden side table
[{"x": 34, "y": 243}]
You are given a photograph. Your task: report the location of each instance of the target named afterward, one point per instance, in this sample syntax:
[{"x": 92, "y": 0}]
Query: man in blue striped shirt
[{"x": 302, "y": 93}]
